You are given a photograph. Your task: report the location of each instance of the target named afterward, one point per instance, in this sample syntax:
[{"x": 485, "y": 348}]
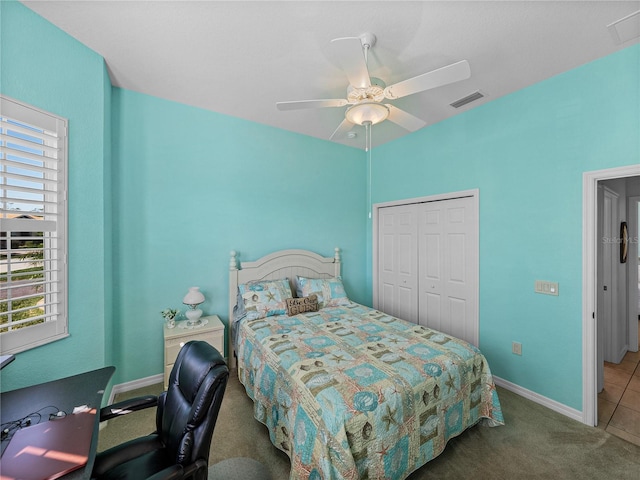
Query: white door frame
[
  {"x": 589, "y": 284},
  {"x": 475, "y": 194}
]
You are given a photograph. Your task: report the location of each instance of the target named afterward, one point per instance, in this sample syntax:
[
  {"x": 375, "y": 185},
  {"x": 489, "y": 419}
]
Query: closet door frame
[{"x": 475, "y": 195}]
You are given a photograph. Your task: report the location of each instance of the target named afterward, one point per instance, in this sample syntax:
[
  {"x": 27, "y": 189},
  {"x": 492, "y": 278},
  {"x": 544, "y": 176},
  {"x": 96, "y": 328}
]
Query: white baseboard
[
  {"x": 621, "y": 353},
  {"x": 134, "y": 384},
  {"x": 539, "y": 399}
]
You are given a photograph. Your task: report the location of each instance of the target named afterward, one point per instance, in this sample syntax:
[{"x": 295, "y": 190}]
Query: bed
[{"x": 346, "y": 391}]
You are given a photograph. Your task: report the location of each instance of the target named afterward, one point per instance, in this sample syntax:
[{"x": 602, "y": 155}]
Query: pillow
[
  {"x": 330, "y": 291},
  {"x": 302, "y": 305},
  {"x": 264, "y": 298},
  {"x": 238, "y": 310}
]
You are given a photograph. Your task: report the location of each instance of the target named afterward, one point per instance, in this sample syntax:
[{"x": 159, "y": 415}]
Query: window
[{"x": 33, "y": 214}]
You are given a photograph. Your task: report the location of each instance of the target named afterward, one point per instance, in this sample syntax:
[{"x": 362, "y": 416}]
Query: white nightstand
[{"x": 175, "y": 338}]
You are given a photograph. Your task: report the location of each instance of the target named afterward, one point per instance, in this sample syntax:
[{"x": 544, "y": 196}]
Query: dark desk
[{"x": 64, "y": 395}]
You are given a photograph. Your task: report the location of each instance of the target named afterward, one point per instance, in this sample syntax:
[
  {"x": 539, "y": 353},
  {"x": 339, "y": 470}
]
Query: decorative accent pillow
[
  {"x": 265, "y": 298},
  {"x": 302, "y": 305},
  {"x": 330, "y": 291}
]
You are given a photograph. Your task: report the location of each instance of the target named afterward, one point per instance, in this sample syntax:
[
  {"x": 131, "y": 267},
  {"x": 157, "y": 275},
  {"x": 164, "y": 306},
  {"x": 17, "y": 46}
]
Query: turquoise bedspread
[{"x": 351, "y": 393}]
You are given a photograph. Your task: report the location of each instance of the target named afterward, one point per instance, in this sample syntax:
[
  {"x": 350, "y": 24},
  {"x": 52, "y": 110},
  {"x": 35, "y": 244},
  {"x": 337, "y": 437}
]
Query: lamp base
[{"x": 193, "y": 317}]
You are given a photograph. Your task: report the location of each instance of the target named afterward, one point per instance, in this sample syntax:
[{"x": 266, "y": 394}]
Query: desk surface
[{"x": 59, "y": 395}]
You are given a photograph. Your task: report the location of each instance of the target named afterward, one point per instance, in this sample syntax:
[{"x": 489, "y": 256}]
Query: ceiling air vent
[
  {"x": 468, "y": 99},
  {"x": 625, "y": 29}
]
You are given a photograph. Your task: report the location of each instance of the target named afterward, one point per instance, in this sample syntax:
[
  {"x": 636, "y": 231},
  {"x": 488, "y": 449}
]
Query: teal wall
[
  {"x": 45, "y": 67},
  {"x": 526, "y": 154},
  {"x": 109, "y": 333},
  {"x": 191, "y": 185}
]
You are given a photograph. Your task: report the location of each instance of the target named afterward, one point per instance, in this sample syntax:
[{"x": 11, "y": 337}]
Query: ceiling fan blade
[
  {"x": 300, "y": 104},
  {"x": 404, "y": 119},
  {"x": 435, "y": 78},
  {"x": 342, "y": 129},
  {"x": 349, "y": 54}
]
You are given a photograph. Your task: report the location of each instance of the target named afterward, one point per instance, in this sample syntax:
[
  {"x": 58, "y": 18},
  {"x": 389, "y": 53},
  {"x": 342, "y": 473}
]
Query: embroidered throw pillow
[{"x": 302, "y": 305}]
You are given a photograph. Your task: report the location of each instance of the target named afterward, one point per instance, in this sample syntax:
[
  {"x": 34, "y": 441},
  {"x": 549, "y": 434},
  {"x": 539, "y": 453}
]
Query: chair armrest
[{"x": 127, "y": 406}]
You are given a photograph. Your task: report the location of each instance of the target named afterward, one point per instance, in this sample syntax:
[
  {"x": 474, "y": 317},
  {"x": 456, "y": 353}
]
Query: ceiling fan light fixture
[{"x": 364, "y": 112}]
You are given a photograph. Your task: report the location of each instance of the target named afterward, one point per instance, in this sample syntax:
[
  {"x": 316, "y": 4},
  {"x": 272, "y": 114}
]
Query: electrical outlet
[{"x": 516, "y": 348}]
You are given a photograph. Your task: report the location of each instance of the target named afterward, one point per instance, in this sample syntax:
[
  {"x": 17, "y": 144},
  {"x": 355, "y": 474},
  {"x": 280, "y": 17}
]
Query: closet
[{"x": 426, "y": 263}]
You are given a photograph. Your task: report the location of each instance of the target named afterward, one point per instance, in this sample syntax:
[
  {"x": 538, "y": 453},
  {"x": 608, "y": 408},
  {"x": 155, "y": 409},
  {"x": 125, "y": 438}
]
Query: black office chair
[{"x": 185, "y": 417}]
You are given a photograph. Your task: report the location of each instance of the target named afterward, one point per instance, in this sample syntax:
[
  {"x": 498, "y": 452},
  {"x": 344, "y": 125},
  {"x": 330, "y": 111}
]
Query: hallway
[{"x": 619, "y": 401}]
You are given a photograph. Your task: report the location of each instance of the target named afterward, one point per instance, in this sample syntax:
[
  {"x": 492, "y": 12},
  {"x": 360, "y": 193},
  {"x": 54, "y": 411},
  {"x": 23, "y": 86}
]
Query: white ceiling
[{"x": 239, "y": 58}]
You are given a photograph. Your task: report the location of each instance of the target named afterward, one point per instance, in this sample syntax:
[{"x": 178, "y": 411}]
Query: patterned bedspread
[{"x": 349, "y": 392}]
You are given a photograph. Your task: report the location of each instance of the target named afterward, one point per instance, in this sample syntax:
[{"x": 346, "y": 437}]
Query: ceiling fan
[{"x": 365, "y": 94}]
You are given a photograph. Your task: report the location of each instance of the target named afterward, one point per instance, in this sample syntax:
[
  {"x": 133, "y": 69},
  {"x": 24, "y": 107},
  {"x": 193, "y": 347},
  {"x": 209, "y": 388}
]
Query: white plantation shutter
[{"x": 33, "y": 211}]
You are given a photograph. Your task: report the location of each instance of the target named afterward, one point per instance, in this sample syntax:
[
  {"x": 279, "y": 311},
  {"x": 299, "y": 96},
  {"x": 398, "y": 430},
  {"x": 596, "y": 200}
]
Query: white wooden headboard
[{"x": 282, "y": 264}]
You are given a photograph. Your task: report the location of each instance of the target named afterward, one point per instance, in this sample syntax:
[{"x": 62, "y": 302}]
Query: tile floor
[{"x": 619, "y": 401}]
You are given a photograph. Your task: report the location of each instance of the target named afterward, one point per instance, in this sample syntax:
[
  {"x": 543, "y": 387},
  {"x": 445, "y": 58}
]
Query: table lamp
[{"x": 192, "y": 299}]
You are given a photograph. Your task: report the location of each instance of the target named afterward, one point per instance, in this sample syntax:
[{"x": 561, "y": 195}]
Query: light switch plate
[
  {"x": 546, "y": 288},
  {"x": 516, "y": 348}
]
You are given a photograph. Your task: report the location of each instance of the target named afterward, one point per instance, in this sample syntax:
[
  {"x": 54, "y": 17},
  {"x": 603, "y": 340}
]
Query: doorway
[{"x": 590, "y": 285}]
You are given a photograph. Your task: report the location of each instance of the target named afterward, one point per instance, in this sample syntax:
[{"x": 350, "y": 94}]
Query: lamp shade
[
  {"x": 364, "y": 112},
  {"x": 193, "y": 297}
]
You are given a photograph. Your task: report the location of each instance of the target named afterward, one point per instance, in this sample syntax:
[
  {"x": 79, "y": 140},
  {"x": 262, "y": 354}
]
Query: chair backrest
[{"x": 188, "y": 410}]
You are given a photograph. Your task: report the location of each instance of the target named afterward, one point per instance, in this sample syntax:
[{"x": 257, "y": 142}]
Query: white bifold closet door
[
  {"x": 428, "y": 265},
  {"x": 398, "y": 261}
]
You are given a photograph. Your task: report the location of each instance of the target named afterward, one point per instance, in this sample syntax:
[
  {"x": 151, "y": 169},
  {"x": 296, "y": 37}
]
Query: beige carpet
[
  {"x": 535, "y": 443},
  {"x": 240, "y": 468}
]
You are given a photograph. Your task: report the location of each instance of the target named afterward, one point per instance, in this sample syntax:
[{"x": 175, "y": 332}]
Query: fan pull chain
[{"x": 367, "y": 148}]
